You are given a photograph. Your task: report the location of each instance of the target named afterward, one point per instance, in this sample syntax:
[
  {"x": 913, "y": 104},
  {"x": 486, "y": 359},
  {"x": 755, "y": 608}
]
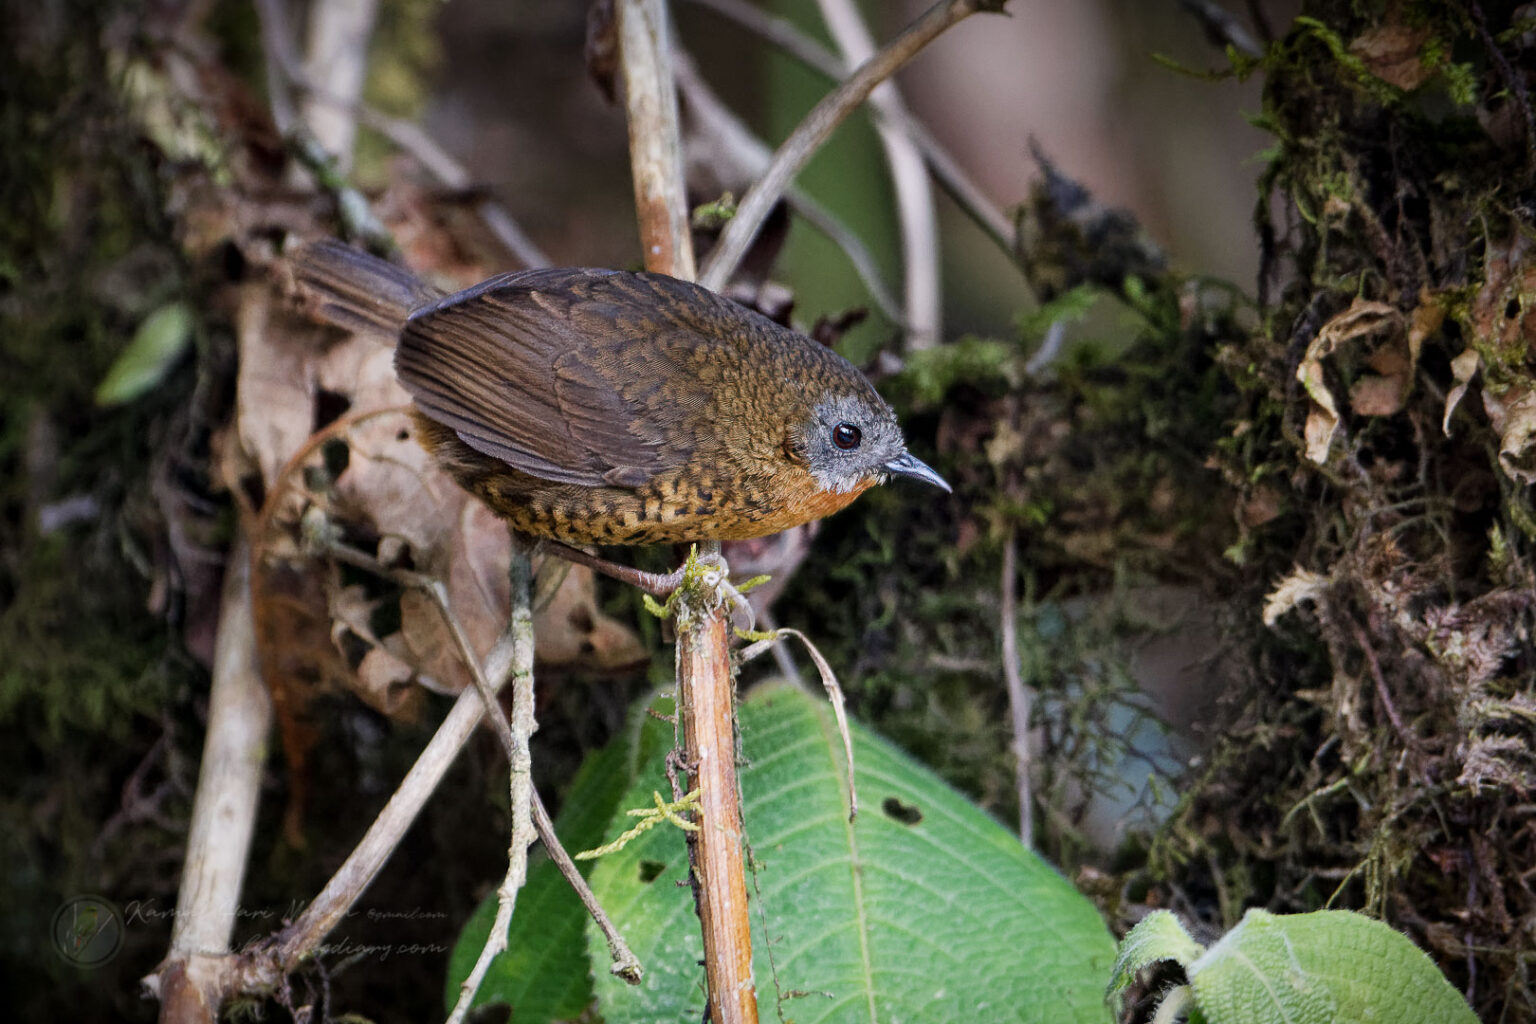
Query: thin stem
[
  {"x": 706, "y": 714},
  {"x": 817, "y": 126},
  {"x": 655, "y": 148},
  {"x": 284, "y": 68},
  {"x": 744, "y": 156},
  {"x": 337, "y": 62},
  {"x": 915, "y": 214},
  {"x": 1020, "y": 698},
  {"x": 624, "y": 962},
  {"x": 520, "y": 775},
  {"x": 952, "y": 178},
  {"x": 705, "y": 697}
]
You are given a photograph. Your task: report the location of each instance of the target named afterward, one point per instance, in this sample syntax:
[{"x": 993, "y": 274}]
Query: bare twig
[
  {"x": 834, "y": 696},
  {"x": 191, "y": 982},
  {"x": 284, "y": 67},
  {"x": 624, "y": 963},
  {"x": 914, "y": 196},
  {"x": 336, "y": 61},
  {"x": 520, "y": 781},
  {"x": 300, "y": 939},
  {"x": 781, "y": 32},
  {"x": 745, "y": 156},
  {"x": 1383, "y": 692},
  {"x": 1050, "y": 348},
  {"x": 819, "y": 123},
  {"x": 655, "y": 147},
  {"x": 1020, "y": 698}
]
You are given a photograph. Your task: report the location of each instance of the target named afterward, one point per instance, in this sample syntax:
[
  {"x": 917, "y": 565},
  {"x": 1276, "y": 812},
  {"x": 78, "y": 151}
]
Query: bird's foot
[{"x": 709, "y": 572}]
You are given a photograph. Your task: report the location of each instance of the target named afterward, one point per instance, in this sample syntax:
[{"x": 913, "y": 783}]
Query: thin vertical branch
[
  {"x": 520, "y": 776},
  {"x": 191, "y": 982},
  {"x": 1020, "y": 698},
  {"x": 655, "y": 142},
  {"x": 336, "y": 60},
  {"x": 705, "y": 707},
  {"x": 818, "y": 125},
  {"x": 915, "y": 215},
  {"x": 705, "y": 699}
]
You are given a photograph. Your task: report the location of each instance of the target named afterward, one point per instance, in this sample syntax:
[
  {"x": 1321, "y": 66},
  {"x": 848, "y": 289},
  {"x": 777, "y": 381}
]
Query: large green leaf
[
  {"x": 925, "y": 909},
  {"x": 1320, "y": 968}
]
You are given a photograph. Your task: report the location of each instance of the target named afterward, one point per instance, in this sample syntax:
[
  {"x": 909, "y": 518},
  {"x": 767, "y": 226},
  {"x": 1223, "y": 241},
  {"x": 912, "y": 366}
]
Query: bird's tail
[{"x": 340, "y": 285}]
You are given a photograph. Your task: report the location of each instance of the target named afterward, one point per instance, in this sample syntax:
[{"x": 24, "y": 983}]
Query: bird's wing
[{"x": 572, "y": 376}]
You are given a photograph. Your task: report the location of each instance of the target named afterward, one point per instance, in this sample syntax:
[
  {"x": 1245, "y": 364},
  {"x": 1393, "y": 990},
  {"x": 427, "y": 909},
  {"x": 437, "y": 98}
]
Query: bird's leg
[{"x": 657, "y": 584}]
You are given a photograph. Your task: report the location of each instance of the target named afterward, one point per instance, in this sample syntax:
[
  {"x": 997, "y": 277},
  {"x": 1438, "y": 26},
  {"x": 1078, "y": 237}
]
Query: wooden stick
[
  {"x": 1020, "y": 697},
  {"x": 953, "y": 178},
  {"x": 655, "y": 142},
  {"x": 191, "y": 982},
  {"x": 520, "y": 771},
  {"x": 704, "y": 704},
  {"x": 705, "y": 696}
]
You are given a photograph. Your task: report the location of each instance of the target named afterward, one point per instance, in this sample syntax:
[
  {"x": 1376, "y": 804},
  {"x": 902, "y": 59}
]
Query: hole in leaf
[
  {"x": 649, "y": 869},
  {"x": 337, "y": 456},
  {"x": 907, "y": 814},
  {"x": 329, "y": 407},
  {"x": 353, "y": 648},
  {"x": 386, "y": 618}
]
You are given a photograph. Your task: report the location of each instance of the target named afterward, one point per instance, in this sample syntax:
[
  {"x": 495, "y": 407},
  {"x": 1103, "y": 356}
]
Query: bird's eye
[{"x": 847, "y": 436}]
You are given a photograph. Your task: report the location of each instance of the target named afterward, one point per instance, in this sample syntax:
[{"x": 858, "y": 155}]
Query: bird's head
[{"x": 851, "y": 440}]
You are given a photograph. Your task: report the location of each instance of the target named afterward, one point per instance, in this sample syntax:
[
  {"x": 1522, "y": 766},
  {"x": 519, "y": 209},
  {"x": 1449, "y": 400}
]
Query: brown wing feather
[{"x": 569, "y": 375}]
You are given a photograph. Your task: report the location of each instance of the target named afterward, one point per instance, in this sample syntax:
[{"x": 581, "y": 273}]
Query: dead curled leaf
[
  {"x": 1361, "y": 320},
  {"x": 1517, "y": 435},
  {"x": 1386, "y": 342}
]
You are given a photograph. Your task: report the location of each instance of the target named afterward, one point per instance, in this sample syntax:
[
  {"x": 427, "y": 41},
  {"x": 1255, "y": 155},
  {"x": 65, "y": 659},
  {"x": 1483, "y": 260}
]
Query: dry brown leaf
[
  {"x": 572, "y": 630},
  {"x": 1361, "y": 319},
  {"x": 1376, "y": 396},
  {"x": 1391, "y": 53},
  {"x": 384, "y": 682},
  {"x": 1517, "y": 437}
]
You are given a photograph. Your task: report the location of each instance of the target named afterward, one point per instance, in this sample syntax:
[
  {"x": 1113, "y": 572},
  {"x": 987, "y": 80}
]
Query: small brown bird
[{"x": 605, "y": 407}]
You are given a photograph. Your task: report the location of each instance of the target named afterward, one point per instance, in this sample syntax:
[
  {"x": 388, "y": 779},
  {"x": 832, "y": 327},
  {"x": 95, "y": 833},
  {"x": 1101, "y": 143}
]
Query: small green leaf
[
  {"x": 1158, "y": 936},
  {"x": 1332, "y": 965},
  {"x": 159, "y": 342}
]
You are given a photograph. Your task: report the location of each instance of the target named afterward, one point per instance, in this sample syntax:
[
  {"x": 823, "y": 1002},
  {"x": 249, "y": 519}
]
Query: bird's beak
[{"x": 906, "y": 464}]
